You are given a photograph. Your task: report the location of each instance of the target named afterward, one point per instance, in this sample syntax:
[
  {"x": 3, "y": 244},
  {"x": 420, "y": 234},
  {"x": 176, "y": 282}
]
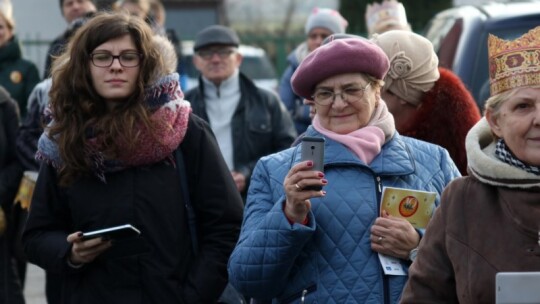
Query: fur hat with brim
[{"x": 341, "y": 56}]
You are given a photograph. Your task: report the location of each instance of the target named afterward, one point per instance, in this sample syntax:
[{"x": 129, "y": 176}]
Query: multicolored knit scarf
[
  {"x": 504, "y": 154},
  {"x": 170, "y": 114}
]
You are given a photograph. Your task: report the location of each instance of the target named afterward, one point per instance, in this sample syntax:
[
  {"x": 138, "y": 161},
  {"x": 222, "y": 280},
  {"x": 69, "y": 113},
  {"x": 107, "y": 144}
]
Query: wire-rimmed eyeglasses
[
  {"x": 106, "y": 59},
  {"x": 350, "y": 94}
]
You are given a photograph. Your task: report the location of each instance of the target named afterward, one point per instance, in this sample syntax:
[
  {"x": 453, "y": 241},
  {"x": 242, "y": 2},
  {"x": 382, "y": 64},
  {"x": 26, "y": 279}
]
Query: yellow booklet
[{"x": 413, "y": 205}]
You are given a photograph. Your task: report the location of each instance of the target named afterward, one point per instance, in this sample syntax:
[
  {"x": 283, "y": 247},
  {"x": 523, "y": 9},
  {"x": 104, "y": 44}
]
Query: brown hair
[{"x": 77, "y": 107}]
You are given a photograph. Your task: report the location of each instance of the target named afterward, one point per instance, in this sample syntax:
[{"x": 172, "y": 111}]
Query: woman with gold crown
[{"x": 498, "y": 204}]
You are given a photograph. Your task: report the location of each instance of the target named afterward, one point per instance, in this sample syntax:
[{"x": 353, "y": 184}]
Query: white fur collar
[{"x": 484, "y": 165}]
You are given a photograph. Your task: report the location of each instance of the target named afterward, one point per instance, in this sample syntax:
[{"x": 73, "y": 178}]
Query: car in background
[
  {"x": 255, "y": 65},
  {"x": 460, "y": 36}
]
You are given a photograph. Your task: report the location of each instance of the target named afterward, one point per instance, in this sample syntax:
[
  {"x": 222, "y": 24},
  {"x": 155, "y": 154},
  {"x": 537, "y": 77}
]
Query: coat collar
[
  {"x": 484, "y": 165},
  {"x": 11, "y": 51}
]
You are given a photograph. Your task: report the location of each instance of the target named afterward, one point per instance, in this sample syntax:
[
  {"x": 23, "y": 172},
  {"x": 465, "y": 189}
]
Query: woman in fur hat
[{"x": 109, "y": 159}]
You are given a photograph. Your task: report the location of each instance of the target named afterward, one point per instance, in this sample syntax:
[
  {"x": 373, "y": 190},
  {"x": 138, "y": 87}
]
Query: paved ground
[{"x": 35, "y": 285}]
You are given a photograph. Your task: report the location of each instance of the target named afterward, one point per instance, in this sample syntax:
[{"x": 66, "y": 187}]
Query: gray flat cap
[{"x": 216, "y": 34}]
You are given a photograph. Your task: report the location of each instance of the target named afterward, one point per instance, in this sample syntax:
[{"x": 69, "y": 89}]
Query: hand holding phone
[{"x": 313, "y": 149}]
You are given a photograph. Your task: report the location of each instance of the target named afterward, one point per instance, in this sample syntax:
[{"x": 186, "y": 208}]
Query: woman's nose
[
  {"x": 339, "y": 102},
  {"x": 116, "y": 63}
]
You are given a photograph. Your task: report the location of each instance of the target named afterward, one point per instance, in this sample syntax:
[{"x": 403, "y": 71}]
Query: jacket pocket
[
  {"x": 260, "y": 126},
  {"x": 299, "y": 296}
]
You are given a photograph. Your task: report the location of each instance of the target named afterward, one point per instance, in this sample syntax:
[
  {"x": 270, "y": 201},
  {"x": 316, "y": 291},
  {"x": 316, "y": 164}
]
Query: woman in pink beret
[{"x": 300, "y": 245}]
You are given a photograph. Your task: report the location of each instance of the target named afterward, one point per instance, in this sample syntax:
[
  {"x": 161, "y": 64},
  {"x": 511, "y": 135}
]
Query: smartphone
[
  {"x": 113, "y": 233},
  {"x": 313, "y": 149}
]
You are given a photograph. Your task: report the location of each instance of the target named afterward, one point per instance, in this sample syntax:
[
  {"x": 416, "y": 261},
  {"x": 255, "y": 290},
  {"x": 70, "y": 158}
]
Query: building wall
[
  {"x": 187, "y": 22},
  {"x": 37, "y": 21}
]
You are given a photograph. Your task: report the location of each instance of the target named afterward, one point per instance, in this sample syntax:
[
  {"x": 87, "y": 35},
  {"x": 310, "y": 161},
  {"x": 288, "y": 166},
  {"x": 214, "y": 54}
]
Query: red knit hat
[{"x": 341, "y": 56}]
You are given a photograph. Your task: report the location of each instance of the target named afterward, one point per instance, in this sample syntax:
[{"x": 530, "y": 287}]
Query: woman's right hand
[
  {"x": 297, "y": 204},
  {"x": 83, "y": 252}
]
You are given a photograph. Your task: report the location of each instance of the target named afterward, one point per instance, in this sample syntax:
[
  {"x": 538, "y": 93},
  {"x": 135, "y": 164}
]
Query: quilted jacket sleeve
[
  {"x": 268, "y": 244},
  {"x": 450, "y": 170}
]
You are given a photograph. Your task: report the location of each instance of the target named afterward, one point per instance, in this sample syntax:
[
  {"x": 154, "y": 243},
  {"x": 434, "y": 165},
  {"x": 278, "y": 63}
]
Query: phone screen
[{"x": 117, "y": 232}]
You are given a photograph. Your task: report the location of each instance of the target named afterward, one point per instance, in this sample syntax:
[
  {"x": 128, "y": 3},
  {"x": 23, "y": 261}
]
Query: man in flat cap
[{"x": 249, "y": 122}]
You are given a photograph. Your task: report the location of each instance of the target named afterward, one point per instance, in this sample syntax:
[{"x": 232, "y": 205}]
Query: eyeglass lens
[{"x": 350, "y": 94}]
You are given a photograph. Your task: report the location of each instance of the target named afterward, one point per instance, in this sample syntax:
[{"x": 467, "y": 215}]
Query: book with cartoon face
[{"x": 413, "y": 205}]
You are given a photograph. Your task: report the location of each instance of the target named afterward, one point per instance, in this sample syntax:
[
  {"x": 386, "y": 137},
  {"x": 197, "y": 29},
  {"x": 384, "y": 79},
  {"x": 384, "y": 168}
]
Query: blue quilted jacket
[{"x": 330, "y": 260}]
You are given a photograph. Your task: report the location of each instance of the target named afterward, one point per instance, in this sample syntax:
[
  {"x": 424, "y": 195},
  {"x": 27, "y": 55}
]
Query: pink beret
[{"x": 341, "y": 56}]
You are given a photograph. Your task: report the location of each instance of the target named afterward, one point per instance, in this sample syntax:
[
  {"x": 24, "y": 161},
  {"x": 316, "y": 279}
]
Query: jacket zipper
[
  {"x": 302, "y": 295},
  {"x": 386, "y": 287}
]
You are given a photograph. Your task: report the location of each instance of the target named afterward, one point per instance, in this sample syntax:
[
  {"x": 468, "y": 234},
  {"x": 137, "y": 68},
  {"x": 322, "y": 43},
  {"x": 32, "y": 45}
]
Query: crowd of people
[{"x": 216, "y": 183}]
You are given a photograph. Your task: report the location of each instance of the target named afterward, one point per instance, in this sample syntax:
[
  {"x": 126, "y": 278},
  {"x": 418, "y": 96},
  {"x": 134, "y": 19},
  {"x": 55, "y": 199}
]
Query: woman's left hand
[
  {"x": 393, "y": 236},
  {"x": 83, "y": 252}
]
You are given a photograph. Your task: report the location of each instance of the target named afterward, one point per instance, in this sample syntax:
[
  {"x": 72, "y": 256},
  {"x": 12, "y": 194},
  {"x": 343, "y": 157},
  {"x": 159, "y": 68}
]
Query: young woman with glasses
[
  {"x": 118, "y": 117},
  {"x": 300, "y": 245}
]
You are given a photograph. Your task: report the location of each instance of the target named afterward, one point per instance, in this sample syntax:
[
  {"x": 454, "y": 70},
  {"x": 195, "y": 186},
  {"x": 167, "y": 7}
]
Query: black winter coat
[
  {"x": 158, "y": 267},
  {"x": 10, "y": 175},
  {"x": 10, "y": 168},
  {"x": 261, "y": 125},
  {"x": 17, "y": 75}
]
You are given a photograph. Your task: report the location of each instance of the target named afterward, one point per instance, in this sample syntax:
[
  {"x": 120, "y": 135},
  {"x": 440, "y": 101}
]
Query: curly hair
[{"x": 78, "y": 109}]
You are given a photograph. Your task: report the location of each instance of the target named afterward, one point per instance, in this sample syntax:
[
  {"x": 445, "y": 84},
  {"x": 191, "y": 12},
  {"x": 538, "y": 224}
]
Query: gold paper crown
[
  {"x": 514, "y": 64},
  {"x": 389, "y": 11}
]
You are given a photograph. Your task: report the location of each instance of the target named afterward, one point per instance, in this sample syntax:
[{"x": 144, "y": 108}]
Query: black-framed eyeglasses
[
  {"x": 105, "y": 59},
  {"x": 349, "y": 94},
  {"x": 222, "y": 53}
]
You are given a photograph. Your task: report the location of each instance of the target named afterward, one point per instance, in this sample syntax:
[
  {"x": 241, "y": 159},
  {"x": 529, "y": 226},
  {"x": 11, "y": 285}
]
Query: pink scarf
[{"x": 365, "y": 142}]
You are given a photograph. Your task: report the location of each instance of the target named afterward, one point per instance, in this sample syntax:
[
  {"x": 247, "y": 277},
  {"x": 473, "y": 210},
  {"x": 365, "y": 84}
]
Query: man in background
[
  {"x": 72, "y": 10},
  {"x": 249, "y": 122}
]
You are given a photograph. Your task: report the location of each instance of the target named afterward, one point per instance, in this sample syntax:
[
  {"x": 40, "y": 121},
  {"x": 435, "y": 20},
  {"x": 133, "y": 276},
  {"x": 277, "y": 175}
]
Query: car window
[
  {"x": 437, "y": 29},
  {"x": 459, "y": 36},
  {"x": 257, "y": 68}
]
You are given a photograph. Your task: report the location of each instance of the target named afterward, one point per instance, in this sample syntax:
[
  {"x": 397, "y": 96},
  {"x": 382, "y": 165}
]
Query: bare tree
[{"x": 289, "y": 14}]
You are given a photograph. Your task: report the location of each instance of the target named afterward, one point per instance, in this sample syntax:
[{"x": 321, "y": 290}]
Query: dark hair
[{"x": 76, "y": 106}]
